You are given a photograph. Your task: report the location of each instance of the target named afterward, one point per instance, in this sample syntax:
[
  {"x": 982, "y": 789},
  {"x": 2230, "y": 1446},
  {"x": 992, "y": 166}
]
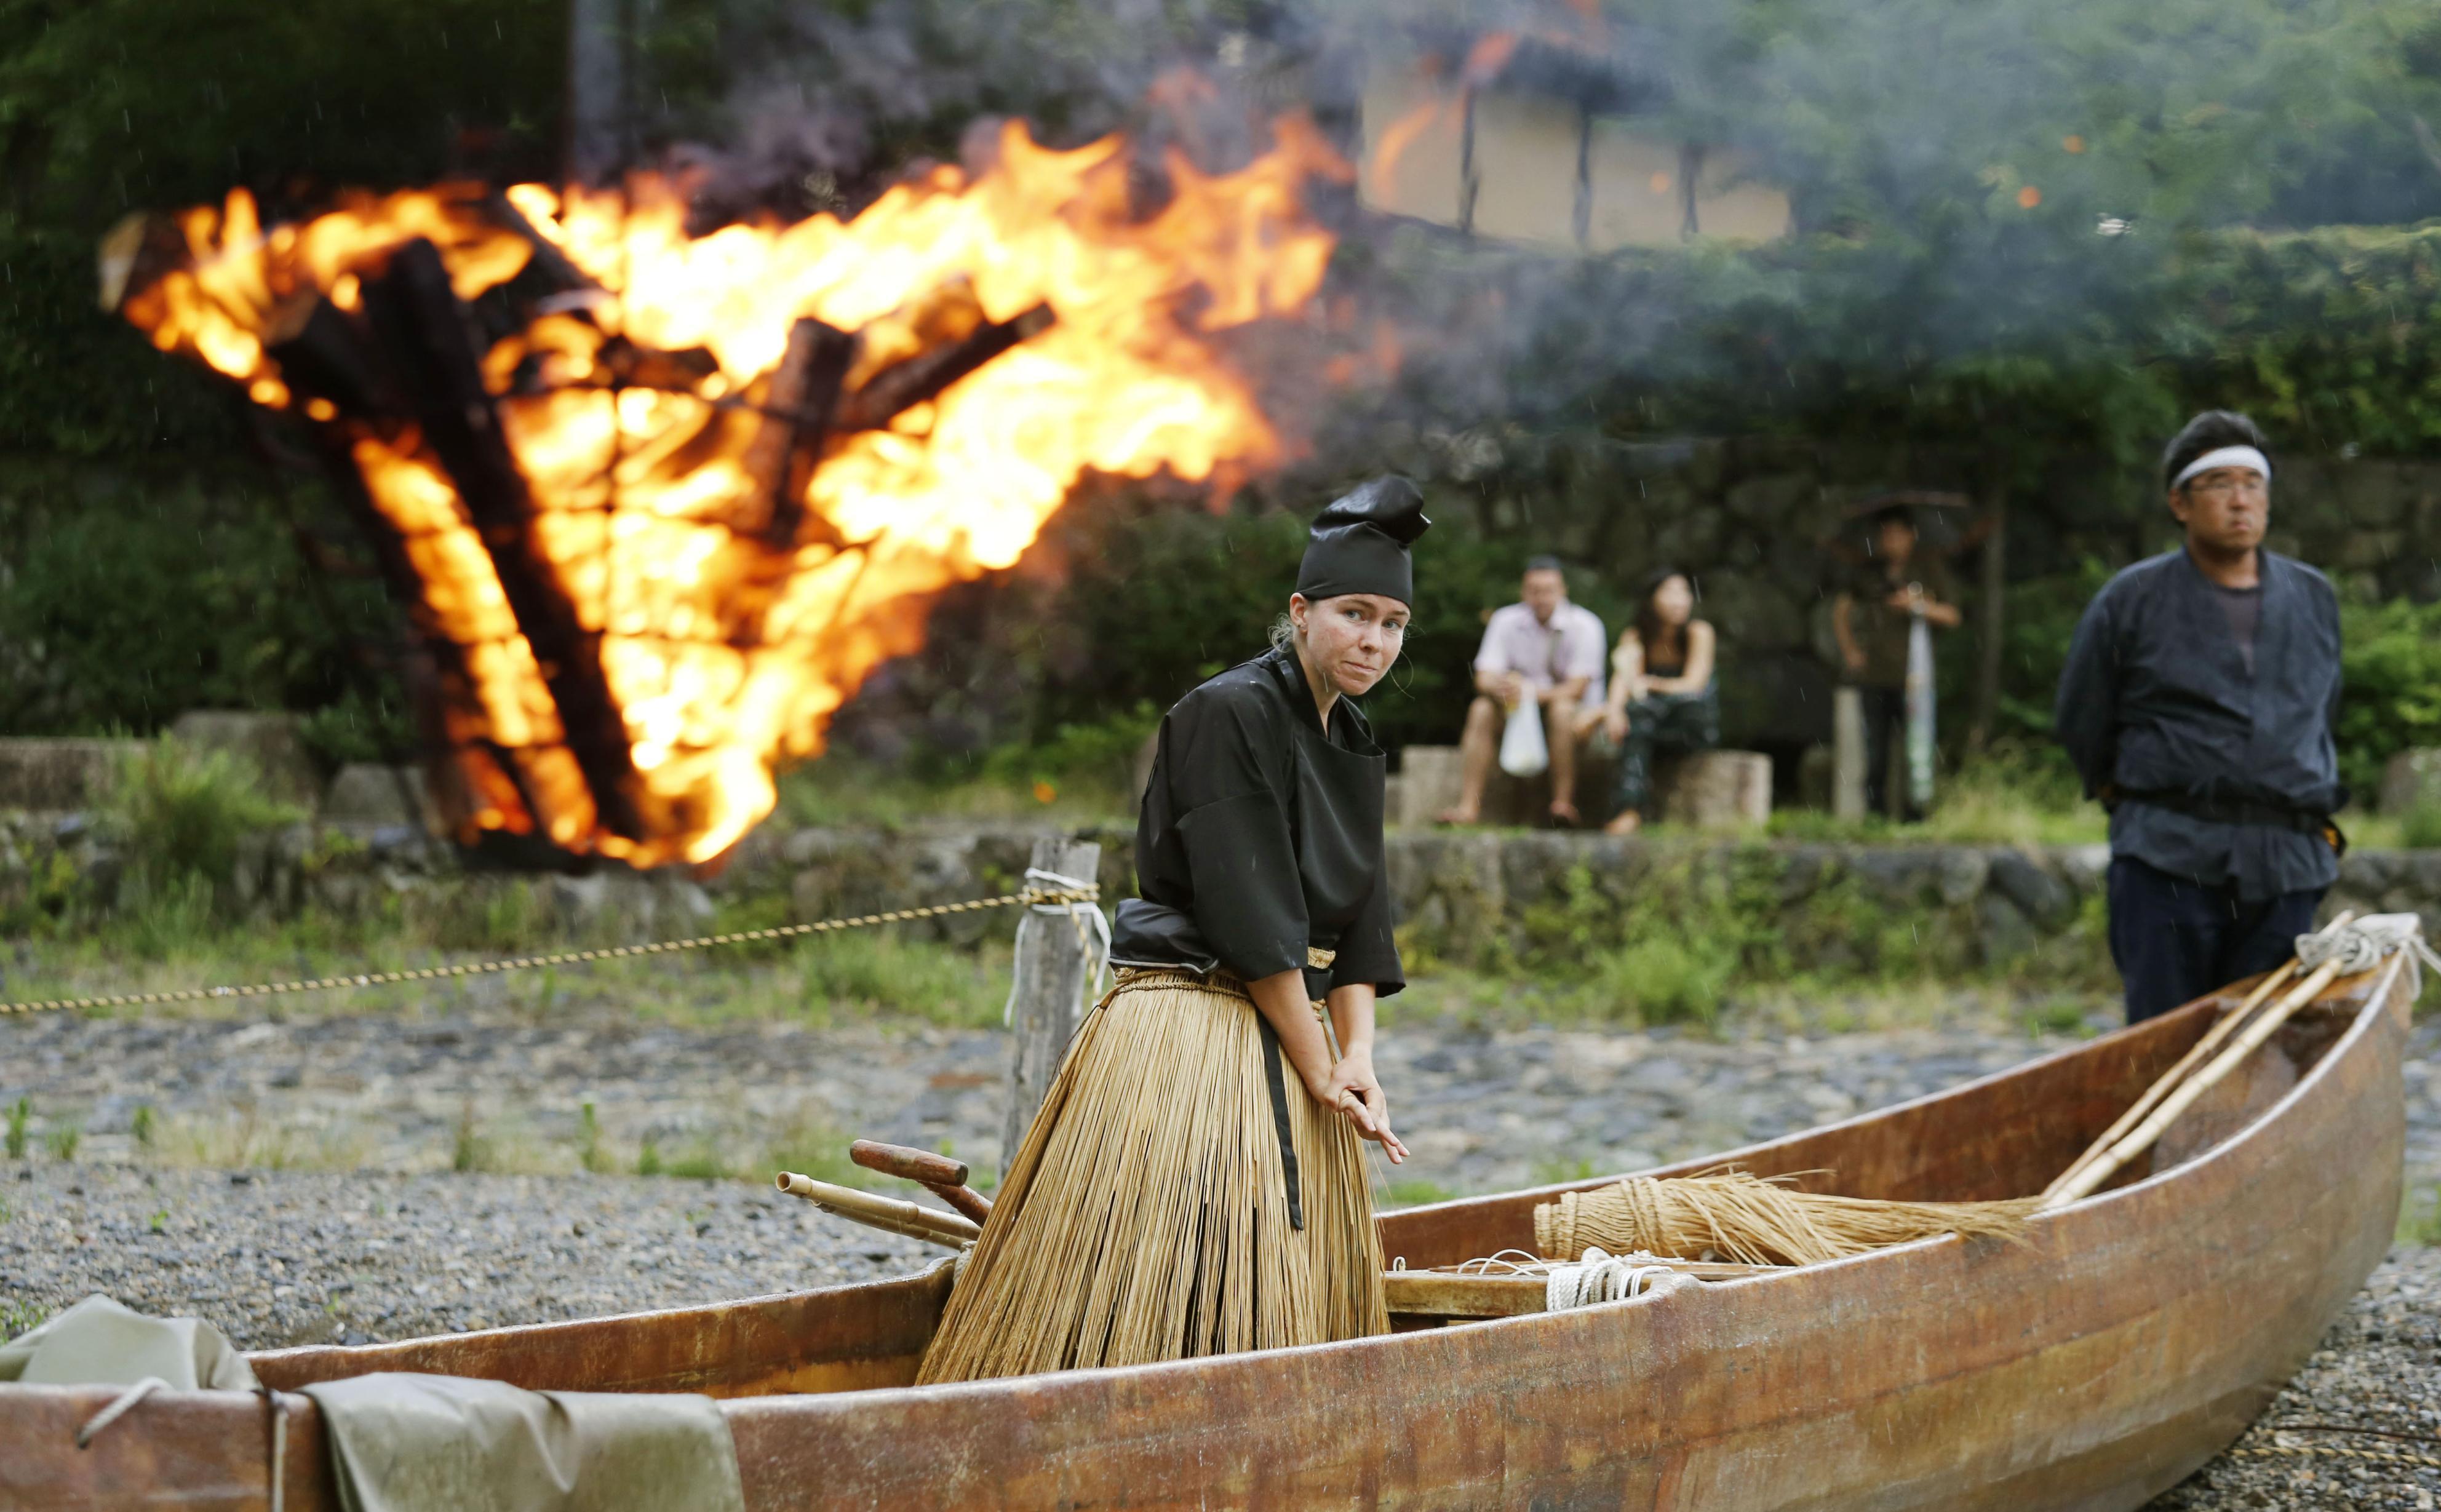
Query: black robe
[
  {"x": 2157, "y": 695},
  {"x": 1261, "y": 835}
]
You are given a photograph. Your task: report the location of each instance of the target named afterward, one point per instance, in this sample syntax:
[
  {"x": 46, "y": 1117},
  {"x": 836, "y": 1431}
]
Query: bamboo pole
[
  {"x": 2203, "y": 1048},
  {"x": 889, "y": 1214},
  {"x": 2184, "y": 1098}
]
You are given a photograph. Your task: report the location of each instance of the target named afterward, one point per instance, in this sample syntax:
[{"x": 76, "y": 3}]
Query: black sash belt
[
  {"x": 1277, "y": 1075},
  {"x": 2239, "y": 811}
]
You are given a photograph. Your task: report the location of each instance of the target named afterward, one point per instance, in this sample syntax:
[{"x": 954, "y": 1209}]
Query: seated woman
[{"x": 1661, "y": 695}]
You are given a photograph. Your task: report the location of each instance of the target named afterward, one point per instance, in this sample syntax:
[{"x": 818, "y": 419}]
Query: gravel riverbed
[{"x": 376, "y": 1176}]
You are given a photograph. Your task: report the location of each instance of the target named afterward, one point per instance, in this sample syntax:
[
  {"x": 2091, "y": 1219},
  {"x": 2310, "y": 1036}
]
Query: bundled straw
[
  {"x": 1144, "y": 1215},
  {"x": 1733, "y": 1215}
]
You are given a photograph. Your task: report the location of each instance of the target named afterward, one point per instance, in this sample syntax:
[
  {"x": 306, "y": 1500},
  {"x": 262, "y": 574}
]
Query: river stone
[
  {"x": 1804, "y": 869},
  {"x": 1897, "y": 875},
  {"x": 2002, "y": 932},
  {"x": 2038, "y": 895},
  {"x": 1963, "y": 872}
]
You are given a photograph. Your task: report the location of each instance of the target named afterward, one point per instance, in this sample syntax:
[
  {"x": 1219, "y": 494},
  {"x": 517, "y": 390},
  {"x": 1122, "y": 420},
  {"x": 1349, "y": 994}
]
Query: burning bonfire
[{"x": 659, "y": 502}]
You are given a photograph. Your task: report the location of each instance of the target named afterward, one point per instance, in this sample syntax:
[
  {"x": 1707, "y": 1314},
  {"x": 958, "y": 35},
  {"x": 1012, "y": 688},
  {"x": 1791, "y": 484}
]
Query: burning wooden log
[
  {"x": 921, "y": 378},
  {"x": 423, "y": 331},
  {"x": 797, "y": 408}
]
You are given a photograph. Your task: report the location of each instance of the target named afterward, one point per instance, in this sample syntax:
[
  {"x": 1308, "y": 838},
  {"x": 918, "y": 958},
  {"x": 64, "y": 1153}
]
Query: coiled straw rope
[
  {"x": 1734, "y": 1214},
  {"x": 1034, "y": 897}
]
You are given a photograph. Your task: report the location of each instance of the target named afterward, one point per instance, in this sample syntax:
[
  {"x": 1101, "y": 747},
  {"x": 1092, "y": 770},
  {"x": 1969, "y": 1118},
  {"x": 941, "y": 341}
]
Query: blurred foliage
[
  {"x": 127, "y": 598},
  {"x": 178, "y": 818},
  {"x": 2391, "y": 661}
]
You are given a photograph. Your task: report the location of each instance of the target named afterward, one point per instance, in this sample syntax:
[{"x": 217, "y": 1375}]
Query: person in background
[
  {"x": 1661, "y": 690},
  {"x": 1871, "y": 619},
  {"x": 1546, "y": 648},
  {"x": 2196, "y": 704}
]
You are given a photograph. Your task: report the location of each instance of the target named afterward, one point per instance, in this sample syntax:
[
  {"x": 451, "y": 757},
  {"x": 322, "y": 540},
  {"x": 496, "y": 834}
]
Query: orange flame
[{"x": 725, "y": 650}]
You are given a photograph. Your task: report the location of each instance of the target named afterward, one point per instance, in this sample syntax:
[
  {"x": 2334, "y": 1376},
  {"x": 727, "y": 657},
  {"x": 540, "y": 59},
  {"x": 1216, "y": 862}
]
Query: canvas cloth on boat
[
  {"x": 103, "y": 1342},
  {"x": 1145, "y": 1214},
  {"x": 402, "y": 1442}
]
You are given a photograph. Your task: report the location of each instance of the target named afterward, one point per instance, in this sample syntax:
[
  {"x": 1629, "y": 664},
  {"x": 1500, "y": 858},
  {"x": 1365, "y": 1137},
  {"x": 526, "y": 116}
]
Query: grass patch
[
  {"x": 239, "y": 1140},
  {"x": 809, "y": 1145},
  {"x": 19, "y": 1316},
  {"x": 62, "y": 1140},
  {"x": 2419, "y": 1217},
  {"x": 1555, "y": 1170},
  {"x": 470, "y": 1148},
  {"x": 180, "y": 818},
  {"x": 589, "y": 1153},
  {"x": 1414, "y": 1193},
  {"x": 2015, "y": 794},
  {"x": 876, "y": 971},
  {"x": 1081, "y": 776},
  {"x": 20, "y": 1113}
]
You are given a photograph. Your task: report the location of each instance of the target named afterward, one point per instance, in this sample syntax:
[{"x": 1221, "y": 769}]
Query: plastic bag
[
  {"x": 1523, "y": 752},
  {"x": 1919, "y": 715}
]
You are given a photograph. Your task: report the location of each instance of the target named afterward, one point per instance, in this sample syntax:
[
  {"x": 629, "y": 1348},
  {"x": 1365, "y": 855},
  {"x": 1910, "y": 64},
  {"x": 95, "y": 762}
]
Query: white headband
[{"x": 2225, "y": 456}]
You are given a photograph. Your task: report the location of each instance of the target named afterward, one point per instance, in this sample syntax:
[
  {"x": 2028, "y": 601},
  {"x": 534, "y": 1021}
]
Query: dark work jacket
[
  {"x": 1261, "y": 834},
  {"x": 2156, "y": 696}
]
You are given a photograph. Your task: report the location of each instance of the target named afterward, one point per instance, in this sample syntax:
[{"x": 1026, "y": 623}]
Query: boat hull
[{"x": 2133, "y": 1337}]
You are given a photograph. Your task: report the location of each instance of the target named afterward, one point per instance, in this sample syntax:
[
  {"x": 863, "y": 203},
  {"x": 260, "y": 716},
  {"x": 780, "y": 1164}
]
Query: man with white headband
[{"x": 2196, "y": 704}]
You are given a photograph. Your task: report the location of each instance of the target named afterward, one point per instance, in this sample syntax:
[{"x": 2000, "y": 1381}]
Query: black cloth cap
[{"x": 1361, "y": 540}]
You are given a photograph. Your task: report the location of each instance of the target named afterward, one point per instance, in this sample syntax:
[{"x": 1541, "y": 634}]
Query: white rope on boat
[
  {"x": 1091, "y": 926},
  {"x": 119, "y": 1407},
  {"x": 2364, "y": 943},
  {"x": 1601, "y": 1277}
]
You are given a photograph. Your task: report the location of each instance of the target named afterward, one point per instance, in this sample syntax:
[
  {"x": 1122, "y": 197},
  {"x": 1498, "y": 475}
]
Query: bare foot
[
  {"x": 1564, "y": 814},
  {"x": 1463, "y": 814},
  {"x": 1627, "y": 822}
]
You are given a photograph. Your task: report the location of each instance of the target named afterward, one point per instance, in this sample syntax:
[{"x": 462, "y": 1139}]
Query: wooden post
[
  {"x": 1847, "y": 753},
  {"x": 1991, "y": 620},
  {"x": 1051, "y": 966}
]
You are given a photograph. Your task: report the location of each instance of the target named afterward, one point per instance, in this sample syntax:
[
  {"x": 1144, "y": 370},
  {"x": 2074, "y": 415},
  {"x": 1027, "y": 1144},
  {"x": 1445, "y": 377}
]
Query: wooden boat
[{"x": 2137, "y": 1333}]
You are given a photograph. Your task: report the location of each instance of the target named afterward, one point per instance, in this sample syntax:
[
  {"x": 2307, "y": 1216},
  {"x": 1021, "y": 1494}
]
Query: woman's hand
[
  {"x": 1615, "y": 721},
  {"x": 1352, "y": 1089}
]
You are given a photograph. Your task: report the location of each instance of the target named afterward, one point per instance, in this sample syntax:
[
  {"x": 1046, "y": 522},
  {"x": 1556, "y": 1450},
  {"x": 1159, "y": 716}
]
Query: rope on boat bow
[{"x": 2364, "y": 943}]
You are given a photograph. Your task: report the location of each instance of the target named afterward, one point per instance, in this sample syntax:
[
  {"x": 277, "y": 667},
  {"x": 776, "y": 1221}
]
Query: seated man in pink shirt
[{"x": 1551, "y": 651}]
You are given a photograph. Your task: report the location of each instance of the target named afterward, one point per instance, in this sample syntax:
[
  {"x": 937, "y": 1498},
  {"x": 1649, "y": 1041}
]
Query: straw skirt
[{"x": 1145, "y": 1214}]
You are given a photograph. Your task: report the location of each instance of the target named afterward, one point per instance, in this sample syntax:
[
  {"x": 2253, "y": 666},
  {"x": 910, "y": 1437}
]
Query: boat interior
[{"x": 2006, "y": 1135}]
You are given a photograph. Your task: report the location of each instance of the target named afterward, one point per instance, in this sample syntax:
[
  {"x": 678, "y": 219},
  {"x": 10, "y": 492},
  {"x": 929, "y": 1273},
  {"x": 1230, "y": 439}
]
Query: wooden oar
[
  {"x": 890, "y": 1215},
  {"x": 2194, "y": 1086},
  {"x": 2168, "y": 1081},
  {"x": 943, "y": 1177}
]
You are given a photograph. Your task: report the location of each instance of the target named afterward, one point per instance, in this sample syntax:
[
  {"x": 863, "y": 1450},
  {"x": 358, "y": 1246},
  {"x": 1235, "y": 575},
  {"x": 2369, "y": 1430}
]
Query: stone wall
[
  {"x": 1496, "y": 899},
  {"x": 1745, "y": 515}
]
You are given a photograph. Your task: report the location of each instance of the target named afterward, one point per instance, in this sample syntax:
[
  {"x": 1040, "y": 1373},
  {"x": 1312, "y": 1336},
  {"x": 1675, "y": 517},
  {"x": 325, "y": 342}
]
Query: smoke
[{"x": 1968, "y": 184}]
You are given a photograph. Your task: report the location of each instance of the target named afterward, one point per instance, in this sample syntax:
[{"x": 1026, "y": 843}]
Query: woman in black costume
[{"x": 1194, "y": 1183}]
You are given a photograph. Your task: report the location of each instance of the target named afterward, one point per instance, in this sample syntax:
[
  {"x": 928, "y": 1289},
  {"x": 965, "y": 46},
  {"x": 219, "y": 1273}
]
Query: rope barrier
[
  {"x": 1033, "y": 896},
  {"x": 2393, "y": 1457},
  {"x": 2336, "y": 1451}
]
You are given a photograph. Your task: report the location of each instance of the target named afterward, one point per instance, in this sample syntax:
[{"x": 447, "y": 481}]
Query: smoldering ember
[{"x": 1550, "y": 753}]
